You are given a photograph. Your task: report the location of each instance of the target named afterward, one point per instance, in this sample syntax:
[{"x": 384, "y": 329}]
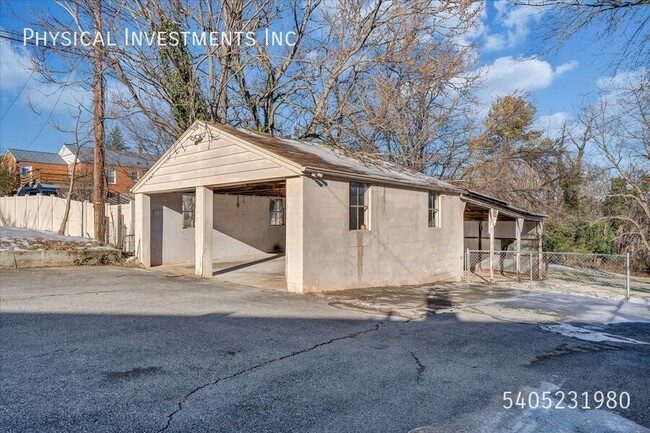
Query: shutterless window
[
  {"x": 359, "y": 215},
  {"x": 25, "y": 170},
  {"x": 135, "y": 175},
  {"x": 276, "y": 212},
  {"x": 188, "y": 208},
  {"x": 434, "y": 211},
  {"x": 111, "y": 176}
]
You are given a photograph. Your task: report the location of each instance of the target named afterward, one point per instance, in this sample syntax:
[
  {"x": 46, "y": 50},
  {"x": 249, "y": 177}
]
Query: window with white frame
[
  {"x": 135, "y": 175},
  {"x": 359, "y": 211},
  {"x": 434, "y": 209},
  {"x": 276, "y": 212},
  {"x": 25, "y": 170},
  {"x": 188, "y": 208},
  {"x": 111, "y": 176}
]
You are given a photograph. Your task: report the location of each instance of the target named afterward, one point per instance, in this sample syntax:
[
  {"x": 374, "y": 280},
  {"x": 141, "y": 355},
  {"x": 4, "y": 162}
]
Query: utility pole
[{"x": 99, "y": 174}]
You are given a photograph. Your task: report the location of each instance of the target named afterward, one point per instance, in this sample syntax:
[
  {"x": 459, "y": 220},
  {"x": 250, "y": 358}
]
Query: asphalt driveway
[{"x": 115, "y": 349}]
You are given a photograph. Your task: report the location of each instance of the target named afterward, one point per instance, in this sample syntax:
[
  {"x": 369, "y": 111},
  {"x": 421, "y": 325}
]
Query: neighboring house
[
  {"x": 123, "y": 168},
  {"x": 33, "y": 167},
  {"x": 343, "y": 219}
]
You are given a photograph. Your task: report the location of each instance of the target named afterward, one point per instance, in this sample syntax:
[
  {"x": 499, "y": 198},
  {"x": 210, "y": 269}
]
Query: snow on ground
[
  {"x": 22, "y": 239},
  {"x": 588, "y": 334}
]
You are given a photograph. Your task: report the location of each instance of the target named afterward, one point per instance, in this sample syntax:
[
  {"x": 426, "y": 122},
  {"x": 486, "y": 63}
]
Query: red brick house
[{"x": 123, "y": 168}]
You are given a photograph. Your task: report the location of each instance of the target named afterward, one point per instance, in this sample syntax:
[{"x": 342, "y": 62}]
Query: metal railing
[{"x": 569, "y": 271}]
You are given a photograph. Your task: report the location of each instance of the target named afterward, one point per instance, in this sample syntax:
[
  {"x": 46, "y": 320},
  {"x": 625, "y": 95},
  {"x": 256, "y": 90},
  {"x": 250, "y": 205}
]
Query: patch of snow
[
  {"x": 588, "y": 334},
  {"x": 16, "y": 239},
  {"x": 18, "y": 233}
]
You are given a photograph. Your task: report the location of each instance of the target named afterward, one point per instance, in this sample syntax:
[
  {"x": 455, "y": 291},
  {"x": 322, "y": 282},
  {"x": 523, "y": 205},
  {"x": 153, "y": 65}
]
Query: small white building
[{"x": 335, "y": 218}]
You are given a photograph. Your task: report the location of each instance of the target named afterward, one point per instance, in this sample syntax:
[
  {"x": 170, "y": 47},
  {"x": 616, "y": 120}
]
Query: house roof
[
  {"x": 36, "y": 156},
  {"x": 486, "y": 201},
  {"x": 120, "y": 158},
  {"x": 314, "y": 158}
]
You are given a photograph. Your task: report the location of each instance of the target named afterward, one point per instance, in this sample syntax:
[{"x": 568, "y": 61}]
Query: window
[
  {"x": 188, "y": 207},
  {"x": 359, "y": 216},
  {"x": 111, "y": 176},
  {"x": 135, "y": 175},
  {"x": 434, "y": 217},
  {"x": 276, "y": 212},
  {"x": 25, "y": 170}
]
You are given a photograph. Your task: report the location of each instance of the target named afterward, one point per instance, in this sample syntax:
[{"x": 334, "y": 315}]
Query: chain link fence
[{"x": 576, "y": 272}]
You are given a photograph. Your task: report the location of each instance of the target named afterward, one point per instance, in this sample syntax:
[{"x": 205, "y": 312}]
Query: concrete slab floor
[{"x": 260, "y": 270}]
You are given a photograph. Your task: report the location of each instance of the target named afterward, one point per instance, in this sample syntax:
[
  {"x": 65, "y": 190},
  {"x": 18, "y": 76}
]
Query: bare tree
[
  {"x": 621, "y": 134},
  {"x": 607, "y": 19},
  {"x": 78, "y": 143}
]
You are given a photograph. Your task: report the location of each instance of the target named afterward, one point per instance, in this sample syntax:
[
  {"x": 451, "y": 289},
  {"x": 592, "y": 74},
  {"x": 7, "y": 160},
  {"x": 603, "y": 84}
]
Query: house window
[
  {"x": 433, "y": 209},
  {"x": 359, "y": 215},
  {"x": 111, "y": 176},
  {"x": 25, "y": 170},
  {"x": 188, "y": 208},
  {"x": 276, "y": 212},
  {"x": 135, "y": 175}
]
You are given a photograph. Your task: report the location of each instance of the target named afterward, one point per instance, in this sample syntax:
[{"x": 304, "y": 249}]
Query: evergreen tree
[{"x": 115, "y": 140}]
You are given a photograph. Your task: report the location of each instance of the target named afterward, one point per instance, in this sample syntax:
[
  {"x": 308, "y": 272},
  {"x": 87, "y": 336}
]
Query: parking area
[{"x": 116, "y": 349}]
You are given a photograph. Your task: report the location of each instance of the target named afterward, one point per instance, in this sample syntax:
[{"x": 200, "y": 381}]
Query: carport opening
[{"x": 248, "y": 236}]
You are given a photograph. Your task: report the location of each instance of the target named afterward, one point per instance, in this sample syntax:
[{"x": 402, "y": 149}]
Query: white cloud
[
  {"x": 552, "y": 124},
  {"x": 507, "y": 75},
  {"x": 13, "y": 68},
  {"x": 621, "y": 80},
  {"x": 516, "y": 20},
  {"x": 566, "y": 67},
  {"x": 494, "y": 42}
]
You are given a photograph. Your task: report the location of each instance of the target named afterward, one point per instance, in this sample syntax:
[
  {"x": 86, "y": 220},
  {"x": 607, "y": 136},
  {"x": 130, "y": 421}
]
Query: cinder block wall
[
  {"x": 241, "y": 227},
  {"x": 398, "y": 249}
]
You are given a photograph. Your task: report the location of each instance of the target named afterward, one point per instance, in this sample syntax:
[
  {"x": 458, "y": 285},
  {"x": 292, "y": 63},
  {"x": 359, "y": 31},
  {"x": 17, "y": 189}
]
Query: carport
[
  {"x": 216, "y": 208},
  {"x": 492, "y": 225}
]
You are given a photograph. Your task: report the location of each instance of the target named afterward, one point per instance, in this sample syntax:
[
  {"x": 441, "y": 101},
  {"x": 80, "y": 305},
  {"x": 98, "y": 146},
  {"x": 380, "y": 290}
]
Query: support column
[
  {"x": 492, "y": 222},
  {"x": 540, "y": 255},
  {"x": 204, "y": 214},
  {"x": 142, "y": 228},
  {"x": 295, "y": 234},
  {"x": 519, "y": 227}
]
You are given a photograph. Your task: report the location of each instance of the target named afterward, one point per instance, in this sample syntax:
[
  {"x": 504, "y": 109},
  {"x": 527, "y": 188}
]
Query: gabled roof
[
  {"x": 121, "y": 158},
  {"x": 35, "y": 156},
  {"x": 313, "y": 157}
]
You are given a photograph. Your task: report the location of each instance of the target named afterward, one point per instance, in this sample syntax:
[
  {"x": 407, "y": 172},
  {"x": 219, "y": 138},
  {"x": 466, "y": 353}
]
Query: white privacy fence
[
  {"x": 46, "y": 213},
  {"x": 571, "y": 271}
]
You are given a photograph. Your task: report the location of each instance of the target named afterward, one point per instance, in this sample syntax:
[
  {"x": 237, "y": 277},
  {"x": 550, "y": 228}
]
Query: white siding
[{"x": 217, "y": 162}]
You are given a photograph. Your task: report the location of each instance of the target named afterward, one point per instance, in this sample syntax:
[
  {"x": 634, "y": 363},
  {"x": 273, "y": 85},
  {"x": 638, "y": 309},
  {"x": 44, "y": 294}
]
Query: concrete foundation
[{"x": 51, "y": 258}]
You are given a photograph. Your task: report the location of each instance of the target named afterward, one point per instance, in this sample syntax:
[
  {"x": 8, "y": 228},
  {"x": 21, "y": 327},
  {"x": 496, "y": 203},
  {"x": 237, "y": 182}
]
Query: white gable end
[
  {"x": 66, "y": 154},
  {"x": 223, "y": 160}
]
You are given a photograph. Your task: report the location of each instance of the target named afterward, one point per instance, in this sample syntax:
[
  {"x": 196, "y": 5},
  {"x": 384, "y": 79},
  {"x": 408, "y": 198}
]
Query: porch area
[{"x": 501, "y": 240}]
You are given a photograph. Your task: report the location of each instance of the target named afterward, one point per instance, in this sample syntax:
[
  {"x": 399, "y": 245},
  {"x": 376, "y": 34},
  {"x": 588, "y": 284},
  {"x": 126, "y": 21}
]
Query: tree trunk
[{"x": 99, "y": 176}]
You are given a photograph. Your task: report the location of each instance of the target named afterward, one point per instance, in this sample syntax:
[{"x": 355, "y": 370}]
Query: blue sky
[{"x": 512, "y": 59}]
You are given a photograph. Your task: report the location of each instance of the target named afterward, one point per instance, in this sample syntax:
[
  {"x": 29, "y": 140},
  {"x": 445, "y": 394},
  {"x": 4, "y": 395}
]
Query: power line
[
  {"x": 19, "y": 92},
  {"x": 48, "y": 118},
  {"x": 67, "y": 80}
]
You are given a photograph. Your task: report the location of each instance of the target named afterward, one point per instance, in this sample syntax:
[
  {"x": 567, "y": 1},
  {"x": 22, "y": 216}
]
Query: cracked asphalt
[{"x": 108, "y": 349}]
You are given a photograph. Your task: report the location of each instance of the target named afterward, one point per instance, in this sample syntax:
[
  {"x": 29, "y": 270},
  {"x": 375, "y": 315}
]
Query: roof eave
[
  {"x": 515, "y": 213},
  {"x": 382, "y": 180}
]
